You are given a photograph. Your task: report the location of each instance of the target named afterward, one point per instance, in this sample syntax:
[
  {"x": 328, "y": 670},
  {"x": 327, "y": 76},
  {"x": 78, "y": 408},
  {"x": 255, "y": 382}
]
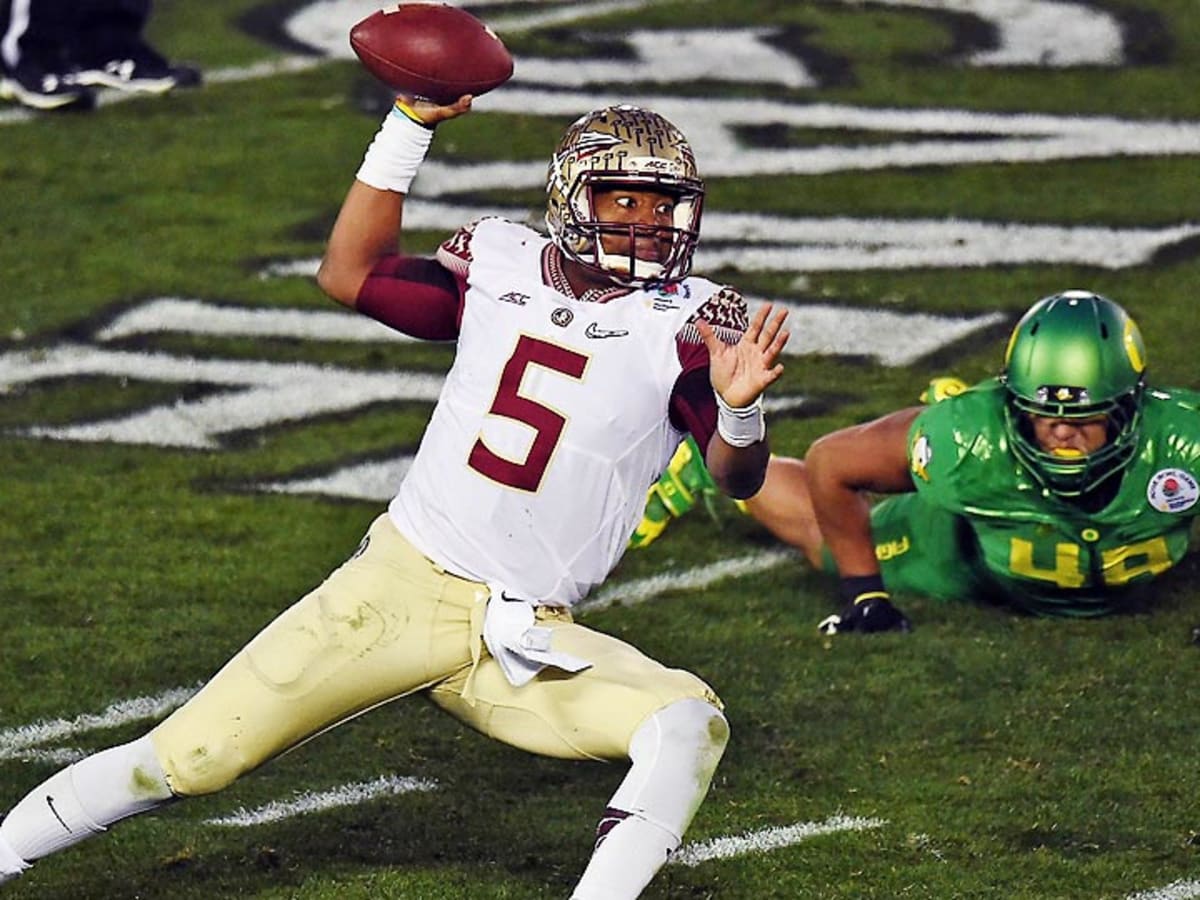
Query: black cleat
[
  {"x": 45, "y": 90},
  {"x": 136, "y": 67}
]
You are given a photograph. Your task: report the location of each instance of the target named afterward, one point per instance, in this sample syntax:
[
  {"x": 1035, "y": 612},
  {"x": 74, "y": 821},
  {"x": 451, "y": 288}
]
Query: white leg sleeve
[
  {"x": 84, "y": 799},
  {"x": 625, "y": 859},
  {"x": 674, "y": 755},
  {"x": 11, "y": 865}
]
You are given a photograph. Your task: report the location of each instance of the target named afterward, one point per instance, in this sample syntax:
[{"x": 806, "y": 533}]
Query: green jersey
[{"x": 1029, "y": 547}]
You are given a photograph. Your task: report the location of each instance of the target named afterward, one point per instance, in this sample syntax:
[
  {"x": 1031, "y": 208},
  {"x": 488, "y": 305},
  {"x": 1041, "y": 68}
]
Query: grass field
[{"x": 176, "y": 465}]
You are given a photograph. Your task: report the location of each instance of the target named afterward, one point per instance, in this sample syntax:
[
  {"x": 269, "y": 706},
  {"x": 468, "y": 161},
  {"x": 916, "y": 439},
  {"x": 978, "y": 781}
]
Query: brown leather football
[{"x": 432, "y": 51}]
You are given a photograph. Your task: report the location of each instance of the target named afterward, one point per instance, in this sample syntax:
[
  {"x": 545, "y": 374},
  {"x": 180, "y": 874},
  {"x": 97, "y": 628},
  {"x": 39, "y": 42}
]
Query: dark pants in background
[{"x": 58, "y": 35}]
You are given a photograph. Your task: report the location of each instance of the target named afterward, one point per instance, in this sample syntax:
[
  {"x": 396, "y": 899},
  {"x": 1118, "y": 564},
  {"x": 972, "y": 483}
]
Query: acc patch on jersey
[
  {"x": 920, "y": 457},
  {"x": 1173, "y": 490}
]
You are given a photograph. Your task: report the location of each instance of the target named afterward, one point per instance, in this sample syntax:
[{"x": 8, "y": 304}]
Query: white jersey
[{"x": 552, "y": 423}]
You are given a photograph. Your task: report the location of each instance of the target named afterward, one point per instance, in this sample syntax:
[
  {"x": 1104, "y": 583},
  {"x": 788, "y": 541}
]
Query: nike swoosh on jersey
[{"x": 595, "y": 331}]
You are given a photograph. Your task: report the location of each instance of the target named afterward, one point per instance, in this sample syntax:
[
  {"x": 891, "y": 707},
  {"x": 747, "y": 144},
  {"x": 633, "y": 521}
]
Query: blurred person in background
[{"x": 54, "y": 53}]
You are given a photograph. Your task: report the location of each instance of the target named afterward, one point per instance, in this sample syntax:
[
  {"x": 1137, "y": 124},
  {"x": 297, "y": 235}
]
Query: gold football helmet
[{"x": 623, "y": 146}]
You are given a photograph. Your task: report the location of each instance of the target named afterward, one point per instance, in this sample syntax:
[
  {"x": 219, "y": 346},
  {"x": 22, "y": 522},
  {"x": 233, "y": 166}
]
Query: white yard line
[
  {"x": 1176, "y": 890},
  {"x": 633, "y": 592},
  {"x": 16, "y": 742},
  {"x": 311, "y": 802},
  {"x": 768, "y": 839},
  {"x": 762, "y": 841}
]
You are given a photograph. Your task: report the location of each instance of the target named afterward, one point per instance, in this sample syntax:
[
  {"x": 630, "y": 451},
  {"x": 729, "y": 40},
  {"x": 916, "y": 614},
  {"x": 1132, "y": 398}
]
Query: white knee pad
[{"x": 674, "y": 754}]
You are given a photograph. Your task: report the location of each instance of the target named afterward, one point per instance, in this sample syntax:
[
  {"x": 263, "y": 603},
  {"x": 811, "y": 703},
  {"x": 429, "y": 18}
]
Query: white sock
[
  {"x": 84, "y": 799},
  {"x": 11, "y": 865},
  {"x": 674, "y": 754},
  {"x": 625, "y": 860}
]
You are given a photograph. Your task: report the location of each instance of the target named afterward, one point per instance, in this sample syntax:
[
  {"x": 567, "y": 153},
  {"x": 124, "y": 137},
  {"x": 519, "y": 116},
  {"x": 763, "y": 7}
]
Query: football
[{"x": 431, "y": 50}]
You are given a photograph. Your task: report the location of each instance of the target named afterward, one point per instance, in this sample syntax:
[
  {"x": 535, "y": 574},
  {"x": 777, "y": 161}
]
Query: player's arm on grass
[{"x": 843, "y": 468}]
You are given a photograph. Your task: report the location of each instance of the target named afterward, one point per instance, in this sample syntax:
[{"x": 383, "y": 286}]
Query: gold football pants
[{"x": 389, "y": 623}]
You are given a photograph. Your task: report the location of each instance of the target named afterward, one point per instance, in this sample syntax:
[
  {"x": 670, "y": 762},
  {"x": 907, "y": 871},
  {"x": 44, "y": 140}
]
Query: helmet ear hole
[{"x": 1074, "y": 355}]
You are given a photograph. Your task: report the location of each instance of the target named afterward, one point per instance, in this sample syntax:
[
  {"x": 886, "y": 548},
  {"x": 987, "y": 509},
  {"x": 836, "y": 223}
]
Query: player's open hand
[{"x": 741, "y": 371}]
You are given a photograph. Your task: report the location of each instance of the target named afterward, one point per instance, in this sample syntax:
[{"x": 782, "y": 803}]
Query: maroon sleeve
[
  {"x": 415, "y": 295},
  {"x": 693, "y": 405}
]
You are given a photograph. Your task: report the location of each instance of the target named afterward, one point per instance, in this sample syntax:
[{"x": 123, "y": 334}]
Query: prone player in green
[{"x": 1060, "y": 487}]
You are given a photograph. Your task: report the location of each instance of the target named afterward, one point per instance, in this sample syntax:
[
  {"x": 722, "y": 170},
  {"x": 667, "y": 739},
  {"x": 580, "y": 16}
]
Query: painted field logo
[{"x": 1173, "y": 490}]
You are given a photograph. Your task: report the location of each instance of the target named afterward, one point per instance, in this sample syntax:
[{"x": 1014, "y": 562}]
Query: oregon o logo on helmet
[{"x": 1132, "y": 341}]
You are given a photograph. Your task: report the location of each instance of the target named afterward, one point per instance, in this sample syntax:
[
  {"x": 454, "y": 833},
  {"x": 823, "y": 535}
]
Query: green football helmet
[{"x": 1074, "y": 355}]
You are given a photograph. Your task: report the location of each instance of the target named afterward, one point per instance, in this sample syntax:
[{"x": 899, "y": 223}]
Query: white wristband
[
  {"x": 399, "y": 147},
  {"x": 741, "y": 426}
]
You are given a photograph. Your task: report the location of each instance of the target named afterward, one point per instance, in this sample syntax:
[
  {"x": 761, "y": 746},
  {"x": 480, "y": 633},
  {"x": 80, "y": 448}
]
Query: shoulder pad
[
  {"x": 454, "y": 253},
  {"x": 953, "y": 446},
  {"x": 726, "y": 311},
  {"x": 1171, "y": 423}
]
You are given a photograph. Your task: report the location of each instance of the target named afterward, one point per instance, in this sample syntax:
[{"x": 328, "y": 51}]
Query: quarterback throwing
[{"x": 583, "y": 359}]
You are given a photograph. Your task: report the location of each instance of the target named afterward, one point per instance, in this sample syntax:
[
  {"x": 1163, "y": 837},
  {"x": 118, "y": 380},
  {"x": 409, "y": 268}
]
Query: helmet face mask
[
  {"x": 1074, "y": 355},
  {"x": 634, "y": 149}
]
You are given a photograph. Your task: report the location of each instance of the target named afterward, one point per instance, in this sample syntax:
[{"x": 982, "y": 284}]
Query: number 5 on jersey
[{"x": 511, "y": 404}]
